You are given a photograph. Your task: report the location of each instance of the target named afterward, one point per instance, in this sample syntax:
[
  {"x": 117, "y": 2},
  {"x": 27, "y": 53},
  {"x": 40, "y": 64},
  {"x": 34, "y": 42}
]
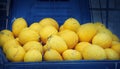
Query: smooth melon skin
[
  {"x": 116, "y": 48},
  {"x": 102, "y": 39},
  {"x": 71, "y": 24},
  {"x": 18, "y": 25},
  {"x": 33, "y": 56},
  {"x": 86, "y": 32},
  {"x": 57, "y": 43},
  {"x": 10, "y": 43},
  {"x": 5, "y": 36},
  {"x": 33, "y": 45},
  {"x": 15, "y": 54},
  {"x": 80, "y": 46},
  {"x": 70, "y": 37},
  {"x": 111, "y": 54},
  {"x": 71, "y": 54},
  {"x": 35, "y": 27},
  {"x": 27, "y": 35},
  {"x": 52, "y": 55},
  {"x": 94, "y": 52},
  {"x": 49, "y": 22},
  {"x": 46, "y": 32}
]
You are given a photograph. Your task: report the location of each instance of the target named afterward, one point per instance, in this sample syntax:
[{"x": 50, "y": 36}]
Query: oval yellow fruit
[
  {"x": 99, "y": 25},
  {"x": 94, "y": 52},
  {"x": 10, "y": 43},
  {"x": 15, "y": 54},
  {"x": 7, "y": 32},
  {"x": 18, "y": 25},
  {"x": 102, "y": 39},
  {"x": 5, "y": 36},
  {"x": 33, "y": 45},
  {"x": 52, "y": 55},
  {"x": 33, "y": 56},
  {"x": 27, "y": 35},
  {"x": 116, "y": 48},
  {"x": 105, "y": 30},
  {"x": 111, "y": 54},
  {"x": 70, "y": 37},
  {"x": 57, "y": 43},
  {"x": 46, "y": 32},
  {"x": 71, "y": 54},
  {"x": 80, "y": 46},
  {"x": 49, "y": 22},
  {"x": 86, "y": 32},
  {"x": 36, "y": 27},
  {"x": 71, "y": 24}
]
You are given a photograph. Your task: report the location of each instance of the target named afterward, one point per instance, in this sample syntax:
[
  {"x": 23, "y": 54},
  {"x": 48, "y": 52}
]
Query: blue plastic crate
[{"x": 60, "y": 10}]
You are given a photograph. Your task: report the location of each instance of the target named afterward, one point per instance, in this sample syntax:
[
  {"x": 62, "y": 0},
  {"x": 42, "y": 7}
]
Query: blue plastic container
[{"x": 60, "y": 10}]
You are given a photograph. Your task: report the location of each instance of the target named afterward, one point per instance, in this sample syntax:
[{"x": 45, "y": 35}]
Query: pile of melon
[{"x": 46, "y": 40}]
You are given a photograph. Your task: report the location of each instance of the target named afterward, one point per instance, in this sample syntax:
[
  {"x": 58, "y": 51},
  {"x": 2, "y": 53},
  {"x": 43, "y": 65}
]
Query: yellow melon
[
  {"x": 33, "y": 56},
  {"x": 15, "y": 54},
  {"x": 36, "y": 27},
  {"x": 80, "y": 46},
  {"x": 116, "y": 48},
  {"x": 70, "y": 37},
  {"x": 33, "y": 45},
  {"x": 102, "y": 39},
  {"x": 99, "y": 25},
  {"x": 111, "y": 54},
  {"x": 5, "y": 36},
  {"x": 52, "y": 55},
  {"x": 10, "y": 43},
  {"x": 46, "y": 32},
  {"x": 105, "y": 30},
  {"x": 18, "y": 25},
  {"x": 94, "y": 52},
  {"x": 27, "y": 35},
  {"x": 86, "y": 32},
  {"x": 49, "y": 22},
  {"x": 71, "y": 24},
  {"x": 57, "y": 43},
  {"x": 71, "y": 54},
  {"x": 7, "y": 32}
]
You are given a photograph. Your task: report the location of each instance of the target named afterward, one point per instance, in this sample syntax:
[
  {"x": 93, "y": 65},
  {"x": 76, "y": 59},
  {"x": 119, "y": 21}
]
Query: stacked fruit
[{"x": 45, "y": 40}]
